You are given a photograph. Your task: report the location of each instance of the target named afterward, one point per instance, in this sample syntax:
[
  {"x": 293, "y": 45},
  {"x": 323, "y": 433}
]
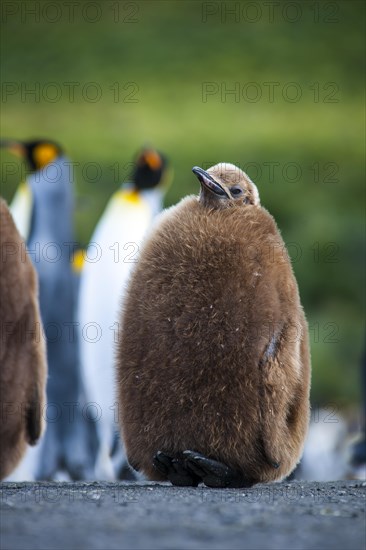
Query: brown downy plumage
[
  {"x": 213, "y": 366},
  {"x": 22, "y": 352}
]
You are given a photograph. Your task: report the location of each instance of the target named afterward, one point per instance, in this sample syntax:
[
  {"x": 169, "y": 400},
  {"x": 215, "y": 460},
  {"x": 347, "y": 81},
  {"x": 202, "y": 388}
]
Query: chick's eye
[{"x": 236, "y": 191}]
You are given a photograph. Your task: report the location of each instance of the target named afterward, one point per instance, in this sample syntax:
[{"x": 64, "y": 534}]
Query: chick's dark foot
[
  {"x": 214, "y": 473},
  {"x": 175, "y": 470}
]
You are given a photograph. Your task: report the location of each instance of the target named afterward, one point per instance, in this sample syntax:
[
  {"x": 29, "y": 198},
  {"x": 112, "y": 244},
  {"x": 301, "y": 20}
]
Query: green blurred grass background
[{"x": 163, "y": 52}]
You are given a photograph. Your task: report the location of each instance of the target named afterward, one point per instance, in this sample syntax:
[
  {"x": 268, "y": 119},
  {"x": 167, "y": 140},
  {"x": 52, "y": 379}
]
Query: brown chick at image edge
[
  {"x": 22, "y": 353},
  {"x": 213, "y": 365}
]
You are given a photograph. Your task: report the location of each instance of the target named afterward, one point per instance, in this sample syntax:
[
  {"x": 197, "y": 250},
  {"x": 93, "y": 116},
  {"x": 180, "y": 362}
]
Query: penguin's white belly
[
  {"x": 21, "y": 209},
  {"x": 112, "y": 253}
]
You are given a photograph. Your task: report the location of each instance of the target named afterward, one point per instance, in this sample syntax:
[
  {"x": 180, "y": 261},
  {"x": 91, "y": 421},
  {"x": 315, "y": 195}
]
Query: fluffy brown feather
[
  {"x": 22, "y": 352},
  {"x": 213, "y": 353}
]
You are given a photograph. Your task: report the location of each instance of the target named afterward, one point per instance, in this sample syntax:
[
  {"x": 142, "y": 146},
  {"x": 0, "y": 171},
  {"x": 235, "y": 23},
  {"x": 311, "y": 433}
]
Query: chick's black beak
[{"x": 208, "y": 182}]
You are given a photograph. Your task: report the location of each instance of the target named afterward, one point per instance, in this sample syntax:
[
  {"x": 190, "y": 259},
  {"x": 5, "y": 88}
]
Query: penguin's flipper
[
  {"x": 36, "y": 364},
  {"x": 34, "y": 426},
  {"x": 214, "y": 473},
  {"x": 284, "y": 394},
  {"x": 175, "y": 470}
]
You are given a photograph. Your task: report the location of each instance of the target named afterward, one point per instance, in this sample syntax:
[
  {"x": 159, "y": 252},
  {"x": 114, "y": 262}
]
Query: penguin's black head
[
  {"x": 225, "y": 185},
  {"x": 37, "y": 153},
  {"x": 149, "y": 169}
]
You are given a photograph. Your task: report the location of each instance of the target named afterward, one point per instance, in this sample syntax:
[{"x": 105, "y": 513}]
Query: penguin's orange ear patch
[
  {"x": 152, "y": 159},
  {"x": 44, "y": 153}
]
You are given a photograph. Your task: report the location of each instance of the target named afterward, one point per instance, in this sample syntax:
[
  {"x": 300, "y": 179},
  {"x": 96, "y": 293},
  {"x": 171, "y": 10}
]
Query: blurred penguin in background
[
  {"x": 113, "y": 251},
  {"x": 335, "y": 447},
  {"x": 357, "y": 452},
  {"x": 43, "y": 211},
  {"x": 336, "y": 444},
  {"x": 324, "y": 452},
  {"x": 22, "y": 352}
]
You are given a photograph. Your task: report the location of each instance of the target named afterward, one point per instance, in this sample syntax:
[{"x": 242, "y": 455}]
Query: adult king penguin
[
  {"x": 43, "y": 210},
  {"x": 112, "y": 252},
  {"x": 213, "y": 360},
  {"x": 22, "y": 352}
]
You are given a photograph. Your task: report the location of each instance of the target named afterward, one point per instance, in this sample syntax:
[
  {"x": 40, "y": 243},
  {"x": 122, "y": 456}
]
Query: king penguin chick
[
  {"x": 43, "y": 210},
  {"x": 213, "y": 362},
  {"x": 115, "y": 242},
  {"x": 22, "y": 353}
]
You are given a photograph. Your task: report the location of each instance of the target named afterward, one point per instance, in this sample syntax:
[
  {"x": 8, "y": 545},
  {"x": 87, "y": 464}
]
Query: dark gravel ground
[{"x": 289, "y": 515}]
